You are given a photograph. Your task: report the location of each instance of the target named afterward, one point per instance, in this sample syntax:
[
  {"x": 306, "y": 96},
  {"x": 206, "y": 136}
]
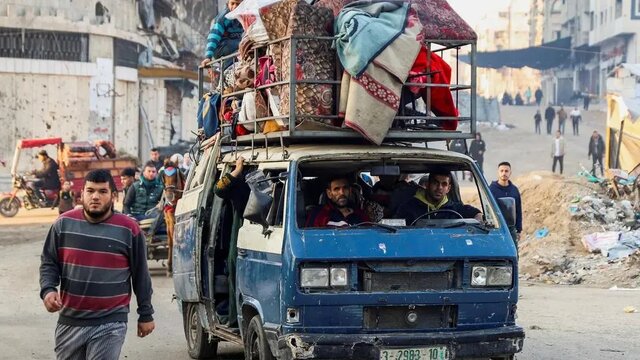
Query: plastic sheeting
[{"x": 546, "y": 56}]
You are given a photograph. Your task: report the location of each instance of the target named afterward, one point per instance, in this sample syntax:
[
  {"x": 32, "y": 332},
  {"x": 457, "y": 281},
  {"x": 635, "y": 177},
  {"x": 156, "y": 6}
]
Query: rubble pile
[{"x": 574, "y": 234}]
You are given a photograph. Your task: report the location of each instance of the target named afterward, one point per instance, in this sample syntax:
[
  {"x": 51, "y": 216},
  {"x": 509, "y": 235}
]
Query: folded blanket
[
  {"x": 364, "y": 29},
  {"x": 370, "y": 101}
]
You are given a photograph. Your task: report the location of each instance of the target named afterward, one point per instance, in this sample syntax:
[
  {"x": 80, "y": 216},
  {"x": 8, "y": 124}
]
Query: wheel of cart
[{"x": 155, "y": 233}]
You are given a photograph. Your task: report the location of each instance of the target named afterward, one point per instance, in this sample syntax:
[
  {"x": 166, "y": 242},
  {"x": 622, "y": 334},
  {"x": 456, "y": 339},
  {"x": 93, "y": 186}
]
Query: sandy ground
[{"x": 568, "y": 322}]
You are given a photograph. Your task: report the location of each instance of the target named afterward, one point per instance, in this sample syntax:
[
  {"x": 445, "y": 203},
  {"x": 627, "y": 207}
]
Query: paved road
[{"x": 562, "y": 322}]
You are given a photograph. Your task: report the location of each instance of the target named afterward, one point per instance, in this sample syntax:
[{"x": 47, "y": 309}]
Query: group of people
[
  {"x": 429, "y": 197},
  {"x": 550, "y": 114},
  {"x": 519, "y": 100}
]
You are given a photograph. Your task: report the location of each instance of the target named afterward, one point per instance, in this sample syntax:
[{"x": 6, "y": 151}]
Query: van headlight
[
  {"x": 314, "y": 277},
  {"x": 488, "y": 275},
  {"x": 324, "y": 277}
]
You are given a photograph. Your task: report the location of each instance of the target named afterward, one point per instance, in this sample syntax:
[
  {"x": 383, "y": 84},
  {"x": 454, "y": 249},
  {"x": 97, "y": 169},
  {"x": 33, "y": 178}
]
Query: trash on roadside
[
  {"x": 540, "y": 233},
  {"x": 612, "y": 244},
  {"x": 630, "y": 310}
]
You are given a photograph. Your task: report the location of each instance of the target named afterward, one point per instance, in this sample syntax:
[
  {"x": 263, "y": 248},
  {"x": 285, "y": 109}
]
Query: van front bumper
[{"x": 502, "y": 341}]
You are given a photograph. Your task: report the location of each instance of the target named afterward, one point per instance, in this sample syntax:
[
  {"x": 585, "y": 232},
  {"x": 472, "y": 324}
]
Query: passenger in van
[
  {"x": 433, "y": 196},
  {"x": 337, "y": 210},
  {"x": 233, "y": 187},
  {"x": 392, "y": 191}
]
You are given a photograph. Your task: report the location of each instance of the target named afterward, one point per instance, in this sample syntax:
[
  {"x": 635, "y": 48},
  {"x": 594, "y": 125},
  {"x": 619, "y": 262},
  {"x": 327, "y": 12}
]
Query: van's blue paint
[{"x": 184, "y": 259}]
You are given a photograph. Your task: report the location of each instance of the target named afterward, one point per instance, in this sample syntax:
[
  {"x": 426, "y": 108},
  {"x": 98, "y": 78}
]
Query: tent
[{"x": 623, "y": 133}]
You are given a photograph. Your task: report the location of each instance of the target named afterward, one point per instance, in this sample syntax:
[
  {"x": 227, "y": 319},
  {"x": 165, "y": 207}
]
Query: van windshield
[{"x": 392, "y": 193}]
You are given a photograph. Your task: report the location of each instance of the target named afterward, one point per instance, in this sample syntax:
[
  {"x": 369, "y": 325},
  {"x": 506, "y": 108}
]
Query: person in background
[
  {"x": 186, "y": 164},
  {"x": 502, "y": 188},
  {"x": 576, "y": 117},
  {"x": 538, "y": 119},
  {"x": 143, "y": 194},
  {"x": 127, "y": 178},
  {"x": 557, "y": 151},
  {"x": 538, "y": 96},
  {"x": 527, "y": 95},
  {"x": 549, "y": 115},
  {"x": 586, "y": 99},
  {"x": 477, "y": 150},
  {"x": 596, "y": 152},
  {"x": 154, "y": 157},
  {"x": 66, "y": 198},
  {"x": 562, "y": 118},
  {"x": 48, "y": 178},
  {"x": 91, "y": 260}
]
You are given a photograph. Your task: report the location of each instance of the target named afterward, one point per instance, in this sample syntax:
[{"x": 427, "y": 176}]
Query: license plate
[{"x": 423, "y": 353}]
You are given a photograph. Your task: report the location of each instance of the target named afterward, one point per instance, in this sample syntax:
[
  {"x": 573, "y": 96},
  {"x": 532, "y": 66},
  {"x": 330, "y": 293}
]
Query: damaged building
[{"x": 118, "y": 70}]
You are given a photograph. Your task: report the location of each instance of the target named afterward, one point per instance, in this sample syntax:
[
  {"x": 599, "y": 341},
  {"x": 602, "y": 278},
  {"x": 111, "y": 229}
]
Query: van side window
[{"x": 276, "y": 213}]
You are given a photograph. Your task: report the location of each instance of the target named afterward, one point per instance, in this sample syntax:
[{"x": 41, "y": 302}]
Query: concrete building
[
  {"x": 505, "y": 30},
  {"x": 89, "y": 70},
  {"x": 536, "y": 22},
  {"x": 604, "y": 34},
  {"x": 615, "y": 30}
]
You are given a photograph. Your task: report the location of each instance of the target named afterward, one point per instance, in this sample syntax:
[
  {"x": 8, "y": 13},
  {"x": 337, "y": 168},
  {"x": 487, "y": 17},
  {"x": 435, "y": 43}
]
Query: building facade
[{"x": 70, "y": 69}]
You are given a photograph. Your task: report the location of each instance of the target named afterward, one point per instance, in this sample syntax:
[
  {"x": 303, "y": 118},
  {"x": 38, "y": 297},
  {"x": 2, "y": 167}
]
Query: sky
[{"x": 472, "y": 11}]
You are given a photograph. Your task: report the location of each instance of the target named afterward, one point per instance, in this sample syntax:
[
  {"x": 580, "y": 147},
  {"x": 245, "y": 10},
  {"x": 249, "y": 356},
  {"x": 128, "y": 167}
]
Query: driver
[
  {"x": 48, "y": 177},
  {"x": 337, "y": 212},
  {"x": 432, "y": 197},
  {"x": 144, "y": 194}
]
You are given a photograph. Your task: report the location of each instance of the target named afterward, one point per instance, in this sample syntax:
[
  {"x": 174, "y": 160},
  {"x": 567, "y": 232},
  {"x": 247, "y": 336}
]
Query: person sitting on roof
[
  {"x": 337, "y": 212},
  {"x": 433, "y": 197}
]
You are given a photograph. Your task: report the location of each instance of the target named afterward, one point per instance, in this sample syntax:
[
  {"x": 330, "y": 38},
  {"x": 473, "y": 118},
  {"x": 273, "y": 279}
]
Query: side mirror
[
  {"x": 508, "y": 208},
  {"x": 257, "y": 208}
]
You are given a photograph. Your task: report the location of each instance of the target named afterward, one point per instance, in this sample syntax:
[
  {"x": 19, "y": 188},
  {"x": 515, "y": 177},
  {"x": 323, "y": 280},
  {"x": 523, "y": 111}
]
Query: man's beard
[{"x": 97, "y": 214}]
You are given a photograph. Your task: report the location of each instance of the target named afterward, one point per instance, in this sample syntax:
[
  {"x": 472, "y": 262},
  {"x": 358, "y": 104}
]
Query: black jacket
[
  {"x": 596, "y": 147},
  {"x": 549, "y": 114},
  {"x": 475, "y": 148},
  {"x": 49, "y": 174}
]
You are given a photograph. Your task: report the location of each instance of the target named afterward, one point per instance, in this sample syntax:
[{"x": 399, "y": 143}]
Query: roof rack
[{"x": 414, "y": 122}]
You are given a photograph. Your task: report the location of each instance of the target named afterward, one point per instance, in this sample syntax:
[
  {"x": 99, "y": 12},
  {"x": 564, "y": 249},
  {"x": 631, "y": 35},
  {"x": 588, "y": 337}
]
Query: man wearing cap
[{"x": 48, "y": 177}]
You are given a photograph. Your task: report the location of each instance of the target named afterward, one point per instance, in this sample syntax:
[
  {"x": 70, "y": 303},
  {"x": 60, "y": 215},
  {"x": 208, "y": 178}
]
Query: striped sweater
[
  {"x": 96, "y": 265},
  {"x": 221, "y": 28}
]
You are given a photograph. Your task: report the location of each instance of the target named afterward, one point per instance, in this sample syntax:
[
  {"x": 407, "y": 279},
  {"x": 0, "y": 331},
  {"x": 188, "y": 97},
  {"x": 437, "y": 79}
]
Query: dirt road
[{"x": 572, "y": 323}]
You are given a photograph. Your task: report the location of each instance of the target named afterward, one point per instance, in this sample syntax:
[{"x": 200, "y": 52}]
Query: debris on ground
[
  {"x": 630, "y": 310},
  {"x": 574, "y": 233}
]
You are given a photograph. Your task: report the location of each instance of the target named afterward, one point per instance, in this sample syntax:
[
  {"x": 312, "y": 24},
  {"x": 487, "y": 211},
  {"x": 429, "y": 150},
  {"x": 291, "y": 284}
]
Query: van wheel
[
  {"x": 256, "y": 346},
  {"x": 198, "y": 344}
]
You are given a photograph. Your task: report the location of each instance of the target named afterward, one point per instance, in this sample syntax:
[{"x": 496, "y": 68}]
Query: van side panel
[{"x": 184, "y": 260}]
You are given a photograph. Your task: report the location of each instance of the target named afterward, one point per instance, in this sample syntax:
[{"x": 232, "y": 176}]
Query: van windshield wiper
[
  {"x": 369, "y": 223},
  {"x": 478, "y": 226}
]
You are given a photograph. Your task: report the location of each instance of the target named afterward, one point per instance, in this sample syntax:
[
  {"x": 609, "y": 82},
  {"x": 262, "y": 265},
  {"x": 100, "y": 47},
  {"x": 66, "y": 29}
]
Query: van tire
[
  {"x": 256, "y": 346},
  {"x": 198, "y": 344}
]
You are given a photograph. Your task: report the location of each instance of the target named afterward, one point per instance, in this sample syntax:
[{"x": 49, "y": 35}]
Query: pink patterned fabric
[{"x": 439, "y": 20}]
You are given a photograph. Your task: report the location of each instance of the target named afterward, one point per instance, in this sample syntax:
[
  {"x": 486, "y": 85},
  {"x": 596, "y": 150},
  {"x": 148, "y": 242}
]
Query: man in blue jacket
[{"x": 503, "y": 187}]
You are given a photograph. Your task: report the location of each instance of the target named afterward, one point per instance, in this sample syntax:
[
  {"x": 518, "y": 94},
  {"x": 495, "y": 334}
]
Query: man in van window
[
  {"x": 433, "y": 196},
  {"x": 336, "y": 211}
]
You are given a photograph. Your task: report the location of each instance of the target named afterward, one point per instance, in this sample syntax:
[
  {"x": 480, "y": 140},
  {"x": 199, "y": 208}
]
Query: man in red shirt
[{"x": 337, "y": 212}]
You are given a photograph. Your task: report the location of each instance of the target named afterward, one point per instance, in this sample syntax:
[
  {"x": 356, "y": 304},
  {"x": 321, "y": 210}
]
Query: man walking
[
  {"x": 596, "y": 152},
  {"x": 96, "y": 256},
  {"x": 538, "y": 119},
  {"x": 557, "y": 151},
  {"x": 576, "y": 117},
  {"x": 477, "y": 150},
  {"x": 562, "y": 118},
  {"x": 538, "y": 96},
  {"x": 502, "y": 188},
  {"x": 549, "y": 115}
]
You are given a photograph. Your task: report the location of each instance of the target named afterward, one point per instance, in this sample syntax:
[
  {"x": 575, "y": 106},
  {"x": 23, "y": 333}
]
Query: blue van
[{"x": 442, "y": 285}]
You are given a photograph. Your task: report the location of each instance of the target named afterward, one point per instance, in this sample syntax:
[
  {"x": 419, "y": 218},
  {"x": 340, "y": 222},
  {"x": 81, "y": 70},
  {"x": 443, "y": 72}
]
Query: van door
[
  {"x": 191, "y": 214},
  {"x": 260, "y": 256}
]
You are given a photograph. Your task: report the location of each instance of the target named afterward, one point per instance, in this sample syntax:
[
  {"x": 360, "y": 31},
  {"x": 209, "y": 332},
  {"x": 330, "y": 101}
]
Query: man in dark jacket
[
  {"x": 48, "y": 177},
  {"x": 503, "y": 188},
  {"x": 596, "y": 152},
  {"x": 337, "y": 211},
  {"x": 434, "y": 197},
  {"x": 477, "y": 150},
  {"x": 144, "y": 194},
  {"x": 549, "y": 115},
  {"x": 538, "y": 96}
]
